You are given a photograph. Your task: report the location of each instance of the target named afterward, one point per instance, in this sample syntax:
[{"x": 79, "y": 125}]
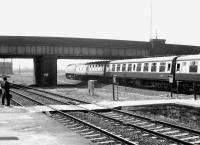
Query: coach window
[
  {"x": 153, "y": 67},
  {"x": 113, "y": 67},
  {"x": 146, "y": 67},
  {"x": 162, "y": 67},
  {"x": 118, "y": 67},
  {"x": 178, "y": 66},
  {"x": 193, "y": 66},
  {"x": 123, "y": 67},
  {"x": 129, "y": 67},
  {"x": 139, "y": 66},
  {"x": 168, "y": 67},
  {"x": 134, "y": 67}
]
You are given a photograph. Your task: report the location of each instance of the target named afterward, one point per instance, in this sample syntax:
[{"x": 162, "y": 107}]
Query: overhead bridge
[
  {"x": 46, "y": 50},
  {"x": 78, "y": 48}
]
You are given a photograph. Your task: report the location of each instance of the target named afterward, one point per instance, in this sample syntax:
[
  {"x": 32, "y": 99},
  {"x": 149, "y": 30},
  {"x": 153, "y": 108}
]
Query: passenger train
[{"x": 154, "y": 71}]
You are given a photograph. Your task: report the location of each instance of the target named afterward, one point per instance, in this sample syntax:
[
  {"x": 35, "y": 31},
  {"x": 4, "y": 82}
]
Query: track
[
  {"x": 118, "y": 122},
  {"x": 43, "y": 93},
  {"x": 163, "y": 129},
  {"x": 90, "y": 131}
]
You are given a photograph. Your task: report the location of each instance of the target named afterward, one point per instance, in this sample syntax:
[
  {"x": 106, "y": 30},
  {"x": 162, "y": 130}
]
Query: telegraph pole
[
  {"x": 151, "y": 19},
  {"x": 151, "y": 23}
]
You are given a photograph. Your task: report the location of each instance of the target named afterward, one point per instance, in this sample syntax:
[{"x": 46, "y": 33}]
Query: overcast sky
[{"x": 177, "y": 21}]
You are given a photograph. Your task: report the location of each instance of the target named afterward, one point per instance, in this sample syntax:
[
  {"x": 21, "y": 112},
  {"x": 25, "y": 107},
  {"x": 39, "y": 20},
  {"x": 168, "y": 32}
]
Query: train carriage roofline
[
  {"x": 189, "y": 57},
  {"x": 150, "y": 59},
  {"x": 99, "y": 62}
]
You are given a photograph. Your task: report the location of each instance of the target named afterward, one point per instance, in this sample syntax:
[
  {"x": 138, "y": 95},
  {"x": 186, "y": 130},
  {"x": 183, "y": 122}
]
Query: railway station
[
  {"x": 99, "y": 72},
  {"x": 85, "y": 109},
  {"x": 46, "y": 50}
]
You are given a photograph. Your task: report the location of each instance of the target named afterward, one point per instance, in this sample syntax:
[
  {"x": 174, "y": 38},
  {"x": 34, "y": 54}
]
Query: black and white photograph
[{"x": 99, "y": 72}]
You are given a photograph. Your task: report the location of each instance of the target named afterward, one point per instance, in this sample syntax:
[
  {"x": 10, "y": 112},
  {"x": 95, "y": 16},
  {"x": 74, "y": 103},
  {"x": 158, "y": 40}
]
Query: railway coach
[
  {"x": 184, "y": 70},
  {"x": 144, "y": 71},
  {"x": 77, "y": 71},
  {"x": 188, "y": 72},
  {"x": 97, "y": 70},
  {"x": 91, "y": 70},
  {"x": 70, "y": 71}
]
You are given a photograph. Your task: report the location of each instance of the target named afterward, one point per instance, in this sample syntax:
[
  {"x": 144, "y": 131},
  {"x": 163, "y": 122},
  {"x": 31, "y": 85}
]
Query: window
[
  {"x": 168, "y": 66},
  {"x": 178, "y": 66},
  {"x": 146, "y": 67},
  {"x": 133, "y": 67},
  {"x": 118, "y": 67},
  {"x": 129, "y": 67},
  {"x": 113, "y": 67},
  {"x": 139, "y": 67},
  {"x": 193, "y": 66},
  {"x": 153, "y": 67},
  {"x": 123, "y": 67},
  {"x": 162, "y": 67}
]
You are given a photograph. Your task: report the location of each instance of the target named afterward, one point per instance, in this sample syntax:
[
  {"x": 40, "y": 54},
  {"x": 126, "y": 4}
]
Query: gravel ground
[{"x": 133, "y": 134}]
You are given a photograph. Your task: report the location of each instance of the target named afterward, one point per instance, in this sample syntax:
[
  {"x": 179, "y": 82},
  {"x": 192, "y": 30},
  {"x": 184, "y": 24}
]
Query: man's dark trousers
[
  {"x": 7, "y": 96},
  {"x": 3, "y": 99}
]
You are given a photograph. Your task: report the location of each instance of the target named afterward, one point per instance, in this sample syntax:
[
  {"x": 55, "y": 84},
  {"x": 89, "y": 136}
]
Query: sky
[{"x": 177, "y": 21}]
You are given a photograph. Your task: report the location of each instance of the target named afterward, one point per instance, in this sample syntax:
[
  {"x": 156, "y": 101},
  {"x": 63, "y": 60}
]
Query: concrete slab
[
  {"x": 64, "y": 107},
  {"x": 21, "y": 127},
  {"x": 113, "y": 104}
]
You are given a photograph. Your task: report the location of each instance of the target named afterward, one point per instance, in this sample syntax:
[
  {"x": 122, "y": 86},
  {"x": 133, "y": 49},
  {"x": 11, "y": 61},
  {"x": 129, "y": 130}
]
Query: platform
[
  {"x": 21, "y": 127},
  {"x": 64, "y": 107},
  {"x": 113, "y": 104},
  {"x": 28, "y": 126}
]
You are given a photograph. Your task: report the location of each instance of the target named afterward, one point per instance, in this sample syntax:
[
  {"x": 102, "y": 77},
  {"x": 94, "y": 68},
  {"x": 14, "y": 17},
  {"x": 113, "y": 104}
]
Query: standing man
[
  {"x": 1, "y": 90},
  {"x": 6, "y": 94}
]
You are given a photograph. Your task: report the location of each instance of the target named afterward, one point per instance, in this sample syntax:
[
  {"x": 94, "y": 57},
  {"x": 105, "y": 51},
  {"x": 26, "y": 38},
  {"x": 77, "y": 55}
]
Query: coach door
[{"x": 184, "y": 67}]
